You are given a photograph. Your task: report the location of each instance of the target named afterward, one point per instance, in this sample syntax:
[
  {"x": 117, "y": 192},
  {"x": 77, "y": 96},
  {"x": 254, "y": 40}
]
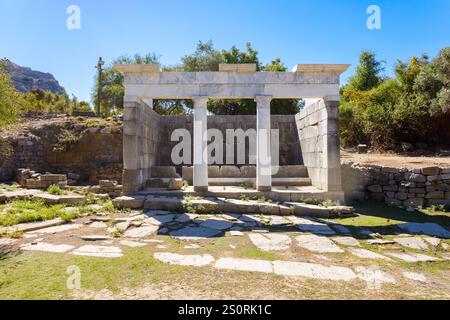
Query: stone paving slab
[
  {"x": 340, "y": 228},
  {"x": 184, "y": 260},
  {"x": 309, "y": 225},
  {"x": 346, "y": 241},
  {"x": 98, "y": 251},
  {"x": 428, "y": 228},
  {"x": 317, "y": 244},
  {"x": 414, "y": 276},
  {"x": 141, "y": 232},
  {"x": 412, "y": 257},
  {"x": 270, "y": 242},
  {"x": 98, "y": 224},
  {"x": 380, "y": 242},
  {"x": 48, "y": 247},
  {"x": 367, "y": 254},
  {"x": 244, "y": 265},
  {"x": 95, "y": 237},
  {"x": 57, "y": 229},
  {"x": 374, "y": 277},
  {"x": 132, "y": 244},
  {"x": 32, "y": 226},
  {"x": 311, "y": 270},
  {"x": 216, "y": 224},
  {"x": 194, "y": 233},
  {"x": 413, "y": 243}
]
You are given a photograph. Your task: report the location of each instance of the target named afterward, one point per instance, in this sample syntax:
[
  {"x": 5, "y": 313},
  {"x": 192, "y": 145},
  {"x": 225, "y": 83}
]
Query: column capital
[
  {"x": 200, "y": 101},
  {"x": 263, "y": 100},
  {"x": 334, "y": 98}
]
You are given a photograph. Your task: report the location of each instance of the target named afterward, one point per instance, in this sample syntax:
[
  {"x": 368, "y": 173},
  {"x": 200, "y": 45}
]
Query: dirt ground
[{"x": 395, "y": 160}]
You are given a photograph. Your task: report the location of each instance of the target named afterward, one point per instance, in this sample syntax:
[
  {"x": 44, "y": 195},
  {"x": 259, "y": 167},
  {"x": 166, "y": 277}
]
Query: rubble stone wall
[{"x": 404, "y": 187}]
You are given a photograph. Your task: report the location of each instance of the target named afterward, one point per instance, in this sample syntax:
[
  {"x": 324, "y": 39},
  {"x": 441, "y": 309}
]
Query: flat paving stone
[
  {"x": 98, "y": 224},
  {"x": 132, "y": 244},
  {"x": 184, "y": 260},
  {"x": 339, "y": 228},
  {"x": 194, "y": 233},
  {"x": 95, "y": 238},
  {"x": 317, "y": 244},
  {"x": 433, "y": 241},
  {"x": 244, "y": 265},
  {"x": 367, "y": 254},
  {"x": 411, "y": 257},
  {"x": 312, "y": 270},
  {"x": 236, "y": 233},
  {"x": 7, "y": 241},
  {"x": 414, "y": 276},
  {"x": 32, "y": 226},
  {"x": 182, "y": 218},
  {"x": 428, "y": 228},
  {"x": 413, "y": 243},
  {"x": 141, "y": 232},
  {"x": 374, "y": 277},
  {"x": 270, "y": 241},
  {"x": 98, "y": 251},
  {"x": 309, "y": 225},
  {"x": 216, "y": 224},
  {"x": 57, "y": 229},
  {"x": 346, "y": 241},
  {"x": 160, "y": 219},
  {"x": 48, "y": 247}
]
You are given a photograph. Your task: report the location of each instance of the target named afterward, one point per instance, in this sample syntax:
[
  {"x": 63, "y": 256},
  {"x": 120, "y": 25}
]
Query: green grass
[
  {"x": 33, "y": 275},
  {"x": 376, "y": 214},
  {"x": 55, "y": 190},
  {"x": 22, "y": 211},
  {"x": 253, "y": 253}
]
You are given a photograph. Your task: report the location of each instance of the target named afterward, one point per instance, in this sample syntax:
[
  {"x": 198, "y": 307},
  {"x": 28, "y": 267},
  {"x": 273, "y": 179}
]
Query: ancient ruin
[{"x": 309, "y": 153}]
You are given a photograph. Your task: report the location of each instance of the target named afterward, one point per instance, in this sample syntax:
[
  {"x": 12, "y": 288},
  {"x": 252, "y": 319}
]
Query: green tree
[
  {"x": 367, "y": 74},
  {"x": 11, "y": 102},
  {"x": 112, "y": 82}
]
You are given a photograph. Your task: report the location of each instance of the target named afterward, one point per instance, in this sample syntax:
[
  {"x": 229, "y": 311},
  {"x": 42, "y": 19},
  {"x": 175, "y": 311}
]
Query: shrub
[{"x": 55, "y": 190}]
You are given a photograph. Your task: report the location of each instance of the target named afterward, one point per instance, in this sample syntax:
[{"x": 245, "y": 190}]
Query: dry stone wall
[{"x": 404, "y": 187}]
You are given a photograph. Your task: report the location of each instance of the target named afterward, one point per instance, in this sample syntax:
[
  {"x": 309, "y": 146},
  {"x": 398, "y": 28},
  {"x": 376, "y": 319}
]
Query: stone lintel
[
  {"x": 239, "y": 67},
  {"x": 321, "y": 68},
  {"x": 138, "y": 68}
]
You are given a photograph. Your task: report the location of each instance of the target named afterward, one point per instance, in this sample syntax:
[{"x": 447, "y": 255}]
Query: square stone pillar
[
  {"x": 200, "y": 178},
  {"x": 331, "y": 151},
  {"x": 263, "y": 158}
]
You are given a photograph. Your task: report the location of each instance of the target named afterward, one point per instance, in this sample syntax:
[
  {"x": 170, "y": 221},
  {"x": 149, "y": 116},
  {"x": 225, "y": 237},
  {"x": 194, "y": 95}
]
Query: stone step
[
  {"x": 294, "y": 181},
  {"x": 230, "y": 171},
  {"x": 220, "y": 205},
  {"x": 169, "y": 183}
]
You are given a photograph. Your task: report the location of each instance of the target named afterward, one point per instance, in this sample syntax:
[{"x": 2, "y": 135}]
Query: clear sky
[{"x": 33, "y": 32}]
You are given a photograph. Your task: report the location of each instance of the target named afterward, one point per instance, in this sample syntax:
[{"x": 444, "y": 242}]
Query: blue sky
[{"x": 33, "y": 32}]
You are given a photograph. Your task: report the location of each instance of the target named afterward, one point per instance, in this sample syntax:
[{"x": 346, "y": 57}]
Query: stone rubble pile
[{"x": 32, "y": 180}]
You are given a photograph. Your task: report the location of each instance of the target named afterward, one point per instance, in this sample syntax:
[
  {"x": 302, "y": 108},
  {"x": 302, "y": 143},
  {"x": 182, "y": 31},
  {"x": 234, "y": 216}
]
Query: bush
[{"x": 55, "y": 190}]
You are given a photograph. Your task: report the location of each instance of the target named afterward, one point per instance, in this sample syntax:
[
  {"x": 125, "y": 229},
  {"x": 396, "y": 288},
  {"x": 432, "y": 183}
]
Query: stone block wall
[
  {"x": 318, "y": 132},
  {"x": 96, "y": 155},
  {"x": 397, "y": 186},
  {"x": 290, "y": 153},
  {"x": 141, "y": 144}
]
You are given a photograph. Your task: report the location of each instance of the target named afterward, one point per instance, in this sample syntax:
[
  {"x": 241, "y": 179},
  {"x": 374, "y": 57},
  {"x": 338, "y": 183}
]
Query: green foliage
[
  {"x": 66, "y": 141},
  {"x": 23, "y": 211},
  {"x": 55, "y": 190},
  {"x": 413, "y": 106},
  {"x": 11, "y": 102}
]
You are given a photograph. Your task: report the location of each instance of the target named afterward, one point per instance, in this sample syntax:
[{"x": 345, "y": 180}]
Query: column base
[
  {"x": 200, "y": 188},
  {"x": 264, "y": 188}
]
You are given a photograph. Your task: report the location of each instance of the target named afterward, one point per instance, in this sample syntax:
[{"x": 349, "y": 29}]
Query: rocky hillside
[{"x": 25, "y": 79}]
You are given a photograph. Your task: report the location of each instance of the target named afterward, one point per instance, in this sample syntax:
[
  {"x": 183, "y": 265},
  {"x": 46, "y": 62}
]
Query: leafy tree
[
  {"x": 367, "y": 74},
  {"x": 11, "y": 102}
]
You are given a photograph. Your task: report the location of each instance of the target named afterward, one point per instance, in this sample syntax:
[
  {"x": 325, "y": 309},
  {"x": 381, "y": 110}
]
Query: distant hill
[{"x": 25, "y": 79}]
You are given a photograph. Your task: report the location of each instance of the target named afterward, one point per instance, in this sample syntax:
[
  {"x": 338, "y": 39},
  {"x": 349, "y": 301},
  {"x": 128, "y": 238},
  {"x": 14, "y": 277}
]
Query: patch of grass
[
  {"x": 253, "y": 253},
  {"x": 23, "y": 211},
  {"x": 55, "y": 190},
  {"x": 8, "y": 187}
]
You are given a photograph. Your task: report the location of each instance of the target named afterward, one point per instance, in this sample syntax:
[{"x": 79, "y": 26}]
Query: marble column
[
  {"x": 263, "y": 158},
  {"x": 200, "y": 180}
]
